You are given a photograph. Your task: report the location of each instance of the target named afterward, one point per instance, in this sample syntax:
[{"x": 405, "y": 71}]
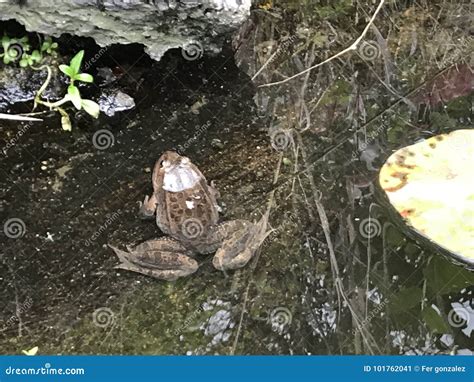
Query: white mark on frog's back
[
  {"x": 189, "y": 204},
  {"x": 179, "y": 179}
]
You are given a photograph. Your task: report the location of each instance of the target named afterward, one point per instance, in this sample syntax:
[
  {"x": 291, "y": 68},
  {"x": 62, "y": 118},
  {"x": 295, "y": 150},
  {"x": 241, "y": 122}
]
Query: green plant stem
[
  {"x": 45, "y": 84},
  {"x": 53, "y": 105},
  {"x": 38, "y": 100}
]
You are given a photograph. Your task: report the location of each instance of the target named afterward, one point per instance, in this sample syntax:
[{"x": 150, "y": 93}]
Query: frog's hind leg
[
  {"x": 163, "y": 258},
  {"x": 241, "y": 243}
]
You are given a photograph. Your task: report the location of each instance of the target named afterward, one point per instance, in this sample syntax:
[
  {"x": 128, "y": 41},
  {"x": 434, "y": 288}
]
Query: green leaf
[
  {"x": 46, "y": 44},
  {"x": 75, "y": 96},
  {"x": 406, "y": 299},
  {"x": 36, "y": 56},
  {"x": 443, "y": 277},
  {"x": 84, "y": 77},
  {"x": 23, "y": 62},
  {"x": 49, "y": 46},
  {"x": 91, "y": 107},
  {"x": 66, "y": 70},
  {"x": 76, "y": 62},
  {"x": 434, "y": 321},
  {"x": 5, "y": 42}
]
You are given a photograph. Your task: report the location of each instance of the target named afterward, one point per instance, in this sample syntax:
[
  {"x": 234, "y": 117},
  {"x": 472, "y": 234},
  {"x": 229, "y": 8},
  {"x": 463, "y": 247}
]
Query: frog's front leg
[
  {"x": 240, "y": 242},
  {"x": 163, "y": 258},
  {"x": 148, "y": 207}
]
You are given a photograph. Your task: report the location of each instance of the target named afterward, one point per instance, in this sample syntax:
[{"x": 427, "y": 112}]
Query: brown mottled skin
[{"x": 186, "y": 209}]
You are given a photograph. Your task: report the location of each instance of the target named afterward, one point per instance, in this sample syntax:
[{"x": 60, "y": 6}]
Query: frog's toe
[
  {"x": 223, "y": 262},
  {"x": 241, "y": 243},
  {"x": 147, "y": 209},
  {"x": 165, "y": 264},
  {"x": 240, "y": 247}
]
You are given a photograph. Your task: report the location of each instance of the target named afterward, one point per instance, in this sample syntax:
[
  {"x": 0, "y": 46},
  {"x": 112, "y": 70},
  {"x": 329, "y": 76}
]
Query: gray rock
[
  {"x": 20, "y": 85},
  {"x": 113, "y": 101},
  {"x": 159, "y": 25}
]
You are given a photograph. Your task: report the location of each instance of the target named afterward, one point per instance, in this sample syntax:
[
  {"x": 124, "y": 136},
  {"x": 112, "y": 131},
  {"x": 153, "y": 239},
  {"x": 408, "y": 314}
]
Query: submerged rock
[
  {"x": 20, "y": 85},
  {"x": 160, "y": 25},
  {"x": 114, "y": 100}
]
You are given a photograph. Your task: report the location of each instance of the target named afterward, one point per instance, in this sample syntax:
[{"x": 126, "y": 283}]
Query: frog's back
[{"x": 187, "y": 215}]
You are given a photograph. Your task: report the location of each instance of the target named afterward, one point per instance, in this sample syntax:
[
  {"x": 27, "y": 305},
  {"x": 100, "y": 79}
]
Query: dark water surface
[{"x": 336, "y": 276}]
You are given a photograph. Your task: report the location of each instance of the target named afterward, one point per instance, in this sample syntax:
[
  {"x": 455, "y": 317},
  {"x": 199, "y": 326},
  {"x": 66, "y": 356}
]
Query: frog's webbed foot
[
  {"x": 242, "y": 240},
  {"x": 148, "y": 207},
  {"x": 164, "y": 259}
]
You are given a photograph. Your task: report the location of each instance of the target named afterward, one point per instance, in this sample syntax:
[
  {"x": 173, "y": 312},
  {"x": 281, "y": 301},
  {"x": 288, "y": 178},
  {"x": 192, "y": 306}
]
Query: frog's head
[
  {"x": 175, "y": 173},
  {"x": 169, "y": 160}
]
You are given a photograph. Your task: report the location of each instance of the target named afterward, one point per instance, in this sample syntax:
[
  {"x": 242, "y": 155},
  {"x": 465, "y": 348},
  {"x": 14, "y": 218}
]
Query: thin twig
[
  {"x": 353, "y": 46},
  {"x": 18, "y": 117}
]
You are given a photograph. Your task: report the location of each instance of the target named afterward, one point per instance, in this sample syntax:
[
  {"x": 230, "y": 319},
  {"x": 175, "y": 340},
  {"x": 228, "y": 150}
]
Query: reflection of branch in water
[
  {"x": 257, "y": 256},
  {"x": 353, "y": 46},
  {"x": 344, "y": 136},
  {"x": 341, "y": 294}
]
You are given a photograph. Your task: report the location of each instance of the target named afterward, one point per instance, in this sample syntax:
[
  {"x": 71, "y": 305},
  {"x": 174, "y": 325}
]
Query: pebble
[{"x": 217, "y": 143}]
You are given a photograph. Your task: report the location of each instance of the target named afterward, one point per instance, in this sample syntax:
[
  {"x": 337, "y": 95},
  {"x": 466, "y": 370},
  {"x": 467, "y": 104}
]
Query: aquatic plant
[
  {"x": 17, "y": 50},
  {"x": 73, "y": 93}
]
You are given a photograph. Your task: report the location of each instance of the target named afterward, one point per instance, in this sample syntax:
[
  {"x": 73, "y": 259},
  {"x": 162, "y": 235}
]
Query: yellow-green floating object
[{"x": 431, "y": 185}]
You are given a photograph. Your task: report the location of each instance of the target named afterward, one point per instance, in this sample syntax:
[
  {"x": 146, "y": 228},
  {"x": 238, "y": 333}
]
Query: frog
[{"x": 184, "y": 206}]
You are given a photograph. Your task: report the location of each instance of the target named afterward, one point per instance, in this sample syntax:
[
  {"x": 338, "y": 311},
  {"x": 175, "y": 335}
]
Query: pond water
[{"x": 336, "y": 275}]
